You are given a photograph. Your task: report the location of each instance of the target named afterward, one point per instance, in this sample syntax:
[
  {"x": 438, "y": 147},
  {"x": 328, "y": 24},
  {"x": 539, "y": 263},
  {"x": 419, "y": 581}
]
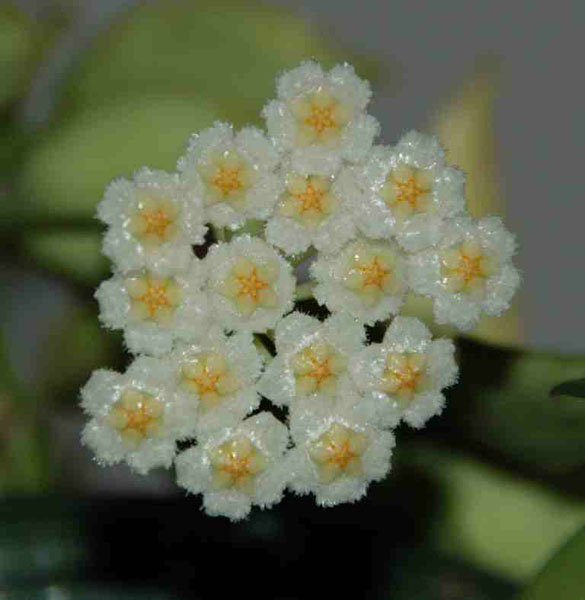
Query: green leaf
[
  {"x": 67, "y": 172},
  {"x": 564, "y": 575},
  {"x": 502, "y": 403},
  {"x": 228, "y": 52},
  {"x": 74, "y": 254},
  {"x": 575, "y": 388},
  {"x": 490, "y": 517}
]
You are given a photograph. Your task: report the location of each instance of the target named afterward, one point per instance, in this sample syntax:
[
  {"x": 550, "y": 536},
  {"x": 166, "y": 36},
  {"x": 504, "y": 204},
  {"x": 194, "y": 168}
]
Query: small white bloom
[
  {"x": 218, "y": 375},
  {"x": 311, "y": 211},
  {"x": 153, "y": 222},
  {"x": 367, "y": 279},
  {"x": 407, "y": 192},
  {"x": 233, "y": 174},
  {"x": 155, "y": 311},
  {"x": 337, "y": 457},
  {"x": 311, "y": 361},
  {"x": 237, "y": 467},
  {"x": 134, "y": 416},
  {"x": 250, "y": 285},
  {"x": 403, "y": 377},
  {"x": 320, "y": 117},
  {"x": 469, "y": 272}
]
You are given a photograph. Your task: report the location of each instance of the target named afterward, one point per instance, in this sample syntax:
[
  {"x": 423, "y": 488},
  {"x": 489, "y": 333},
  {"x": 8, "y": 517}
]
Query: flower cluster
[{"x": 215, "y": 335}]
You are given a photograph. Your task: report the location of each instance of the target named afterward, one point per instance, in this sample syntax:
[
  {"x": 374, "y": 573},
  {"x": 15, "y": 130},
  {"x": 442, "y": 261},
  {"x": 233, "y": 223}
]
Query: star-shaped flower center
[
  {"x": 371, "y": 273},
  {"x": 228, "y": 177},
  {"x": 250, "y": 285},
  {"x": 235, "y": 464},
  {"x": 465, "y": 268},
  {"x": 320, "y": 117},
  {"x": 154, "y": 221},
  {"x": 152, "y": 299},
  {"x": 316, "y": 368},
  {"x": 404, "y": 375},
  {"x": 407, "y": 191},
  {"x": 338, "y": 452},
  {"x": 308, "y": 199},
  {"x": 136, "y": 415},
  {"x": 208, "y": 376}
]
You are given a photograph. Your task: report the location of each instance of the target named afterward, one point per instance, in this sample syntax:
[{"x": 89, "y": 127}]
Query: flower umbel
[{"x": 216, "y": 266}]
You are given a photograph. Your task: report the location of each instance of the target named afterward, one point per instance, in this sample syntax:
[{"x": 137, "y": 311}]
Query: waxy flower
[
  {"x": 155, "y": 311},
  {"x": 135, "y": 417},
  {"x": 468, "y": 273},
  {"x": 337, "y": 457},
  {"x": 311, "y": 212},
  {"x": 367, "y": 279},
  {"x": 237, "y": 467},
  {"x": 218, "y": 376},
  {"x": 152, "y": 221},
  {"x": 250, "y": 285},
  {"x": 233, "y": 174},
  {"x": 407, "y": 192},
  {"x": 320, "y": 118},
  {"x": 403, "y": 377},
  {"x": 311, "y": 361}
]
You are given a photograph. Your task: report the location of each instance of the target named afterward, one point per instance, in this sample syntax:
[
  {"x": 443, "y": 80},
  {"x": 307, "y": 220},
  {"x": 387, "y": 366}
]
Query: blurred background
[{"x": 480, "y": 502}]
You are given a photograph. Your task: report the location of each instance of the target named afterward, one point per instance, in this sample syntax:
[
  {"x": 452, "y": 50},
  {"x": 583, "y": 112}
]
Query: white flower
[
  {"x": 407, "y": 192},
  {"x": 469, "y": 272},
  {"x": 233, "y": 174},
  {"x": 403, "y": 377},
  {"x": 367, "y": 279},
  {"x": 337, "y": 457},
  {"x": 153, "y": 222},
  {"x": 250, "y": 285},
  {"x": 320, "y": 117},
  {"x": 155, "y": 311},
  {"x": 218, "y": 375},
  {"x": 311, "y": 212},
  {"x": 311, "y": 361},
  {"x": 237, "y": 467},
  {"x": 134, "y": 416}
]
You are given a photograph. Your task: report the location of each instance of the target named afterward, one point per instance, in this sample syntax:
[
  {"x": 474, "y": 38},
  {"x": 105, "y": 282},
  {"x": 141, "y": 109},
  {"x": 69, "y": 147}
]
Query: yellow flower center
[
  {"x": 227, "y": 181},
  {"x": 466, "y": 267},
  {"x": 249, "y": 285},
  {"x": 136, "y": 415},
  {"x": 308, "y": 199},
  {"x": 374, "y": 272},
  {"x": 337, "y": 452},
  {"x": 321, "y": 118},
  {"x": 154, "y": 220},
  {"x": 316, "y": 368},
  {"x": 407, "y": 191},
  {"x": 235, "y": 464},
  {"x": 152, "y": 299},
  {"x": 227, "y": 176},
  {"x": 371, "y": 273},
  {"x": 207, "y": 375},
  {"x": 404, "y": 375}
]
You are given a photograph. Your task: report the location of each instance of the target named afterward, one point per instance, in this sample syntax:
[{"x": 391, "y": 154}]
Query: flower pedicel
[{"x": 214, "y": 335}]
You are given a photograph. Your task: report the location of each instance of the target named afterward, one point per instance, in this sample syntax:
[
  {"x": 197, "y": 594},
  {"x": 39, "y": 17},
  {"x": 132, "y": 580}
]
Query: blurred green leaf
[
  {"x": 564, "y": 575},
  {"x": 228, "y": 53},
  {"x": 575, "y": 388},
  {"x": 67, "y": 172},
  {"x": 83, "y": 345},
  {"x": 24, "y": 459},
  {"x": 505, "y": 524},
  {"x": 21, "y": 42},
  {"x": 73, "y": 254},
  {"x": 502, "y": 403}
]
